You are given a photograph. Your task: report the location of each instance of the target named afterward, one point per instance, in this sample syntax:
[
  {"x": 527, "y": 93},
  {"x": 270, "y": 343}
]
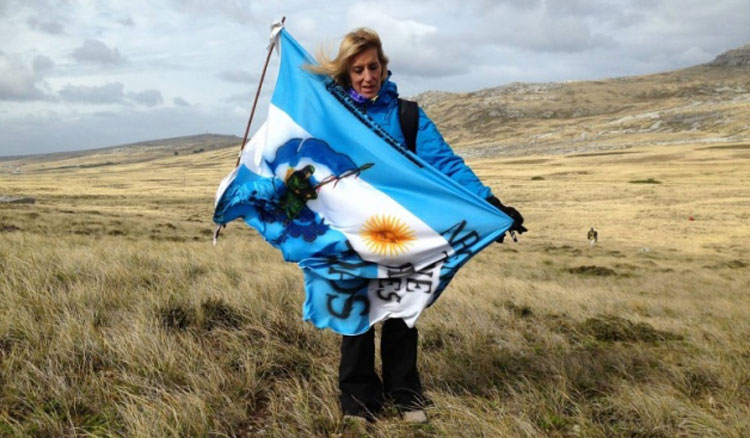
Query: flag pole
[
  {"x": 217, "y": 231},
  {"x": 257, "y": 95}
]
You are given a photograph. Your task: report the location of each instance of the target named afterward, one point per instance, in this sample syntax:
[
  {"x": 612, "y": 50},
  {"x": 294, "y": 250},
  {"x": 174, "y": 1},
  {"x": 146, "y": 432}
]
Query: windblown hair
[{"x": 354, "y": 43}]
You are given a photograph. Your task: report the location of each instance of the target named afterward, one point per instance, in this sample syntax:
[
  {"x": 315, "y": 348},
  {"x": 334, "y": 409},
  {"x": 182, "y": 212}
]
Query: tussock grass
[{"x": 118, "y": 318}]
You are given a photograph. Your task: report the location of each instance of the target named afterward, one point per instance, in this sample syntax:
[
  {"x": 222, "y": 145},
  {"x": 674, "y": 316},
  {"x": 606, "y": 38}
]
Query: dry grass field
[{"x": 119, "y": 318}]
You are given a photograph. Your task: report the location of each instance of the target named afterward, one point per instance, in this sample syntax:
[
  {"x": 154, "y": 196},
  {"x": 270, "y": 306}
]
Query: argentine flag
[{"x": 377, "y": 232}]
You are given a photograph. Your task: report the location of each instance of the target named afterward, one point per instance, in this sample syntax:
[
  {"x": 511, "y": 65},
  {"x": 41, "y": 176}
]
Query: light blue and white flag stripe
[{"x": 378, "y": 232}]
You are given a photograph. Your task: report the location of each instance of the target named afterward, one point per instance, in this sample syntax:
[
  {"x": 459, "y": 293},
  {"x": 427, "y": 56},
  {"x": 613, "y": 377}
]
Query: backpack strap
[{"x": 408, "y": 117}]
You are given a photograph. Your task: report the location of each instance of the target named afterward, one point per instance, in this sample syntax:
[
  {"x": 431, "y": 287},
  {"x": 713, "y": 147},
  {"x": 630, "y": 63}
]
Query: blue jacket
[{"x": 431, "y": 147}]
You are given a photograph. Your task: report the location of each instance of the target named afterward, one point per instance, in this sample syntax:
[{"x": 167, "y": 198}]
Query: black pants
[{"x": 362, "y": 392}]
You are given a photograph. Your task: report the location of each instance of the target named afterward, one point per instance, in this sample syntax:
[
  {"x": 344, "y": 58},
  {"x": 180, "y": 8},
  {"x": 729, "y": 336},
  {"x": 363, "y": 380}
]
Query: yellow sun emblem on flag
[{"x": 387, "y": 235}]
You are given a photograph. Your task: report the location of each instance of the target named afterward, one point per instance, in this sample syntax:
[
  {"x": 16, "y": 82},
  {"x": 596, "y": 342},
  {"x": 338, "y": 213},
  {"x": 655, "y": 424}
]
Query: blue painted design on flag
[
  {"x": 316, "y": 150},
  {"x": 377, "y": 232}
]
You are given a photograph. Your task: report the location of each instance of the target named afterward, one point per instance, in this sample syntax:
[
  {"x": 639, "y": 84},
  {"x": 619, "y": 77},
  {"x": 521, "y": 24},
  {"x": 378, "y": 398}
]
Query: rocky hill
[
  {"x": 705, "y": 104},
  {"x": 733, "y": 58}
]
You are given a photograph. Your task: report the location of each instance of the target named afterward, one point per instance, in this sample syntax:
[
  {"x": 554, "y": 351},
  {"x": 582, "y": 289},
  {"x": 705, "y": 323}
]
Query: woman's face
[{"x": 365, "y": 73}]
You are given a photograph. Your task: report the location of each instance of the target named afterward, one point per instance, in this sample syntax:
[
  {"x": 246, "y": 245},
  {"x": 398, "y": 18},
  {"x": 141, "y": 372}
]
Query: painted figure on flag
[
  {"x": 360, "y": 189},
  {"x": 299, "y": 190}
]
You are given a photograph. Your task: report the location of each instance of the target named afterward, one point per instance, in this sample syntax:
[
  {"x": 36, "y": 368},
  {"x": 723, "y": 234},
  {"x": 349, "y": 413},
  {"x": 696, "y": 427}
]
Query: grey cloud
[
  {"x": 584, "y": 8},
  {"x": 97, "y": 52},
  {"x": 127, "y": 21},
  {"x": 20, "y": 81},
  {"x": 49, "y": 25},
  {"x": 241, "y": 76},
  {"x": 233, "y": 9},
  {"x": 565, "y": 34},
  {"x": 687, "y": 32},
  {"x": 428, "y": 62},
  {"x": 42, "y": 64},
  {"x": 240, "y": 99},
  {"x": 543, "y": 29},
  {"x": 180, "y": 101},
  {"x": 245, "y": 99},
  {"x": 112, "y": 92},
  {"x": 149, "y": 98}
]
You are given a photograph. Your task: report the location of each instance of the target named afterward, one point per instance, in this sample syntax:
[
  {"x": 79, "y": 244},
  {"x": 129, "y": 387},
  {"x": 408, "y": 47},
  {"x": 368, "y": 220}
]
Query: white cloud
[
  {"x": 23, "y": 81},
  {"x": 414, "y": 48}
]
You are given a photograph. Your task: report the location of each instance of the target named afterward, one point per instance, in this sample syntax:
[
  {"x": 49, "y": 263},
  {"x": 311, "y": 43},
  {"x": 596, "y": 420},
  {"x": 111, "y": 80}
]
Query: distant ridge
[
  {"x": 180, "y": 145},
  {"x": 197, "y": 138}
]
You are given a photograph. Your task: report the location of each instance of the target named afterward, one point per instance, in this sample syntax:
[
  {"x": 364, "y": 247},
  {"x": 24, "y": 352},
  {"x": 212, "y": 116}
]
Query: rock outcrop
[{"x": 733, "y": 58}]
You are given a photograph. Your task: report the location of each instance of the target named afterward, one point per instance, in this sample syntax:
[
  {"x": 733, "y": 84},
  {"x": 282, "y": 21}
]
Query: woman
[{"x": 361, "y": 68}]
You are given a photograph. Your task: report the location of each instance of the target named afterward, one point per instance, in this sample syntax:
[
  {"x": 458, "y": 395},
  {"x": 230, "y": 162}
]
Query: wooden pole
[
  {"x": 217, "y": 231},
  {"x": 257, "y": 95}
]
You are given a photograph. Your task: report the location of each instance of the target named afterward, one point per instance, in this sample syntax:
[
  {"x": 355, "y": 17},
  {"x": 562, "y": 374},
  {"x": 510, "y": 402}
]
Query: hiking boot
[{"x": 416, "y": 416}]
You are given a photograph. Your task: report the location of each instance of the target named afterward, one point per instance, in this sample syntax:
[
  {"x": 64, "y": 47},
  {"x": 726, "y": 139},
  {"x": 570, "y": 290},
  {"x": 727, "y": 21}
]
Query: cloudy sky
[{"x": 78, "y": 74}]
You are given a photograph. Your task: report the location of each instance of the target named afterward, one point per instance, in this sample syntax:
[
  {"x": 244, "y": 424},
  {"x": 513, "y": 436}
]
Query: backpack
[{"x": 408, "y": 117}]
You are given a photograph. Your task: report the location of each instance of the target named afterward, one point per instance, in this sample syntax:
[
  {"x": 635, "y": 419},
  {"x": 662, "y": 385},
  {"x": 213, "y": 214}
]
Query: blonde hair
[{"x": 354, "y": 43}]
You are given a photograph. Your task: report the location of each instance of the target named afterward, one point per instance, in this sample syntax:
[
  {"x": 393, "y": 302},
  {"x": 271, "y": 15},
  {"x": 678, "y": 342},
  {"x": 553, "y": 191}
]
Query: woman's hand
[{"x": 512, "y": 213}]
